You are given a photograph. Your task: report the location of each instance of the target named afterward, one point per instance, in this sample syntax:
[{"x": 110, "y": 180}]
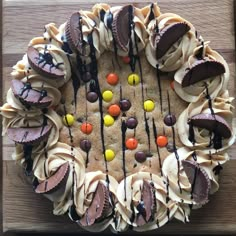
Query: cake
[{"x": 121, "y": 117}]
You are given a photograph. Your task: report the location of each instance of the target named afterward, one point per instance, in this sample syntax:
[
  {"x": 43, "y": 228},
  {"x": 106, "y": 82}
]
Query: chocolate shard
[
  {"x": 168, "y": 36},
  {"x": 147, "y": 204},
  {"x": 54, "y": 182},
  {"x": 28, "y": 96},
  {"x": 100, "y": 207},
  {"x": 44, "y": 64},
  {"x": 29, "y": 135},
  {"x": 202, "y": 70},
  {"x": 74, "y": 34},
  {"x": 212, "y": 122},
  {"x": 199, "y": 180},
  {"x": 121, "y": 27}
]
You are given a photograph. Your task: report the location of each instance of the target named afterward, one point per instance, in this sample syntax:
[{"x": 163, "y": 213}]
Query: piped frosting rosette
[
  {"x": 54, "y": 173},
  {"x": 193, "y": 175},
  {"x": 171, "y": 41},
  {"x": 142, "y": 202},
  {"x": 205, "y": 124},
  {"x": 204, "y": 67},
  {"x": 120, "y": 25},
  {"x": 45, "y": 60},
  {"x": 95, "y": 201}
]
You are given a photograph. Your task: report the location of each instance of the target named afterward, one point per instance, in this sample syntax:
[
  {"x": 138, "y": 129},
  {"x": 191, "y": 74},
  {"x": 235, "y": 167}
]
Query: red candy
[
  {"x": 114, "y": 110},
  {"x": 131, "y": 143},
  {"x": 86, "y": 128},
  {"x": 112, "y": 79}
]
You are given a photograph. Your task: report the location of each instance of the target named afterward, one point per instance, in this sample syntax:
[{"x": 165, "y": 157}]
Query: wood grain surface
[{"x": 23, "y": 210}]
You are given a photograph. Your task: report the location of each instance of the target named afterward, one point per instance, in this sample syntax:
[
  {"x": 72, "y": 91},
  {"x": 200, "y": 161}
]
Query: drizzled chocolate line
[
  {"x": 151, "y": 16},
  {"x": 157, "y": 147},
  {"x": 123, "y": 132},
  {"x": 159, "y": 85},
  {"x": 174, "y": 144}
]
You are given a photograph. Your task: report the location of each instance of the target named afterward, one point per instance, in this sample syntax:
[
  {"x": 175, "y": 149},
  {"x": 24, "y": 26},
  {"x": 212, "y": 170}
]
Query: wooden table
[{"x": 25, "y": 211}]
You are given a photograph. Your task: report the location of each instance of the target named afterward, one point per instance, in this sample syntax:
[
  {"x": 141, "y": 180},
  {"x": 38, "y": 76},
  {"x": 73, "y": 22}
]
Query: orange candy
[
  {"x": 114, "y": 110},
  {"x": 112, "y": 79},
  {"x": 162, "y": 141},
  {"x": 86, "y": 128},
  {"x": 172, "y": 85},
  {"x": 131, "y": 143},
  {"x": 126, "y": 59}
]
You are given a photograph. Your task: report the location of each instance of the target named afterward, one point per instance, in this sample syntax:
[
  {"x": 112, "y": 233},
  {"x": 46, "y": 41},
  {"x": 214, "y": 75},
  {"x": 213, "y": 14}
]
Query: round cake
[{"x": 121, "y": 117}]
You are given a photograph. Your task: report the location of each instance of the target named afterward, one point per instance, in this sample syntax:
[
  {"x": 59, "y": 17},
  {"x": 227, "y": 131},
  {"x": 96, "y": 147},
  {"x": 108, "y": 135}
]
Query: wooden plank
[{"x": 23, "y": 19}]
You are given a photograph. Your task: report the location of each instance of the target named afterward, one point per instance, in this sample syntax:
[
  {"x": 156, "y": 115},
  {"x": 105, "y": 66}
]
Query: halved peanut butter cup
[
  {"x": 29, "y": 135},
  {"x": 202, "y": 70},
  {"x": 74, "y": 34},
  {"x": 199, "y": 180},
  {"x": 28, "y": 96},
  {"x": 121, "y": 27},
  {"x": 54, "y": 182},
  {"x": 168, "y": 36},
  {"x": 213, "y": 123},
  {"x": 100, "y": 207},
  {"x": 44, "y": 64}
]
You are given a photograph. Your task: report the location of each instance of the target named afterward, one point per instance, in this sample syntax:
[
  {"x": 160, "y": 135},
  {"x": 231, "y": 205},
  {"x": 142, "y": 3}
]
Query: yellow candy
[
  {"x": 108, "y": 120},
  {"x": 68, "y": 120},
  {"x": 107, "y": 95},
  {"x": 149, "y": 105},
  {"x": 133, "y": 79},
  {"x": 109, "y": 155}
]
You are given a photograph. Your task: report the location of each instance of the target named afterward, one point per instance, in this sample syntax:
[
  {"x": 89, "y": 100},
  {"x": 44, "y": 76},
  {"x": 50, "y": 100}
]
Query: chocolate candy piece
[
  {"x": 86, "y": 77},
  {"x": 43, "y": 63},
  {"x": 85, "y": 145},
  {"x": 74, "y": 34},
  {"x": 201, "y": 70},
  {"x": 213, "y": 123},
  {"x": 54, "y": 182},
  {"x": 199, "y": 179},
  {"x": 147, "y": 205},
  {"x": 29, "y": 96},
  {"x": 170, "y": 119},
  {"x": 168, "y": 36},
  {"x": 29, "y": 135},
  {"x": 92, "y": 97},
  {"x": 140, "y": 156},
  {"x": 131, "y": 123},
  {"x": 120, "y": 27},
  {"x": 125, "y": 105},
  {"x": 100, "y": 207}
]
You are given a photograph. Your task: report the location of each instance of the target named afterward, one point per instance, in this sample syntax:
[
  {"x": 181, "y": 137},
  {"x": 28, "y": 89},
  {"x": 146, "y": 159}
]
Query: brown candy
[
  {"x": 213, "y": 123},
  {"x": 99, "y": 208},
  {"x": 74, "y": 35},
  {"x": 29, "y": 96},
  {"x": 168, "y": 36},
  {"x": 29, "y": 135},
  {"x": 54, "y": 182},
  {"x": 199, "y": 179},
  {"x": 120, "y": 27},
  {"x": 43, "y": 64},
  {"x": 202, "y": 70}
]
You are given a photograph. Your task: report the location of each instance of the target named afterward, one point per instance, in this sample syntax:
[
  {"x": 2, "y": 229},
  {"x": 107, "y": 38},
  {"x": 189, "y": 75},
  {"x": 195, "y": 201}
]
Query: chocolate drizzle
[
  {"x": 159, "y": 85},
  {"x": 27, "y": 148},
  {"x": 123, "y": 132},
  {"x": 151, "y": 15}
]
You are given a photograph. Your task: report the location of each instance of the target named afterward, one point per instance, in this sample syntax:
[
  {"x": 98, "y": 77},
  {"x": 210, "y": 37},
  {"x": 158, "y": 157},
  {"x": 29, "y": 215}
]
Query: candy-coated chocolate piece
[
  {"x": 107, "y": 95},
  {"x": 112, "y": 79},
  {"x": 133, "y": 79},
  {"x": 86, "y": 128},
  {"x": 131, "y": 143},
  {"x": 109, "y": 155},
  {"x": 140, "y": 156},
  {"x": 114, "y": 110},
  {"x": 108, "y": 120},
  {"x": 126, "y": 59},
  {"x": 68, "y": 119},
  {"x": 92, "y": 97},
  {"x": 86, "y": 77},
  {"x": 85, "y": 145},
  {"x": 125, "y": 104},
  {"x": 131, "y": 123},
  {"x": 149, "y": 105},
  {"x": 170, "y": 119},
  {"x": 162, "y": 141}
]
